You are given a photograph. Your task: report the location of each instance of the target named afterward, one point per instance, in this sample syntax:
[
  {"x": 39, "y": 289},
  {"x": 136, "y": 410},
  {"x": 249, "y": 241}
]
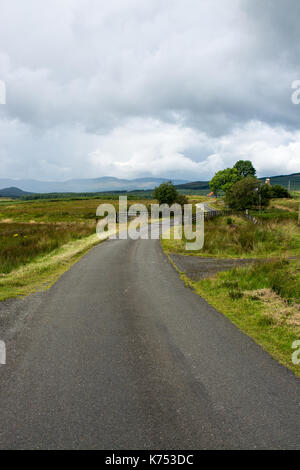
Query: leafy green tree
[
  {"x": 224, "y": 179},
  {"x": 248, "y": 193},
  {"x": 278, "y": 191},
  {"x": 245, "y": 168},
  {"x": 166, "y": 193}
]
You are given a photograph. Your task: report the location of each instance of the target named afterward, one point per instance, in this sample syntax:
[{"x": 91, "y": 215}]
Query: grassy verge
[
  {"x": 263, "y": 301},
  {"x": 41, "y": 273},
  {"x": 237, "y": 237}
]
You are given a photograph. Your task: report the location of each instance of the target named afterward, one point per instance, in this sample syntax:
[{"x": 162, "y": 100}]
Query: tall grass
[
  {"x": 21, "y": 243},
  {"x": 237, "y": 237},
  {"x": 281, "y": 276}
]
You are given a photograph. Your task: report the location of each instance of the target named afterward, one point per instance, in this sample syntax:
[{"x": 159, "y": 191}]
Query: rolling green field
[{"x": 65, "y": 210}]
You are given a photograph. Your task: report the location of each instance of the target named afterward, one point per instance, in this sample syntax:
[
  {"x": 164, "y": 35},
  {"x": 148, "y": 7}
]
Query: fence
[{"x": 208, "y": 215}]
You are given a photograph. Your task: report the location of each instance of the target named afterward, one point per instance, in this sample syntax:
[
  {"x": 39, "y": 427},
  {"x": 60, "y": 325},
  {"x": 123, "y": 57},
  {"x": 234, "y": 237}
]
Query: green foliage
[
  {"x": 247, "y": 194},
  {"x": 245, "y": 168},
  {"x": 278, "y": 191},
  {"x": 166, "y": 193},
  {"x": 224, "y": 179}
]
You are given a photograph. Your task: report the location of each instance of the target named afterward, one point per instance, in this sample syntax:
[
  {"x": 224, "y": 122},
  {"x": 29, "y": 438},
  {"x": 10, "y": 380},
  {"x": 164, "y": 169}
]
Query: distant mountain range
[
  {"x": 93, "y": 185},
  {"x": 19, "y": 188}
]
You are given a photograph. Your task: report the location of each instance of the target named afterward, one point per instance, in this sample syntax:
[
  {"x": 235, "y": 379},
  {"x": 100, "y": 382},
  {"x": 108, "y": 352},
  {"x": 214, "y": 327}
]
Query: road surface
[{"x": 118, "y": 354}]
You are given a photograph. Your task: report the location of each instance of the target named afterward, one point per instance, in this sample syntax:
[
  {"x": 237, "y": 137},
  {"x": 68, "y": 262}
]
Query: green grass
[
  {"x": 44, "y": 270},
  {"x": 238, "y": 237},
  {"x": 20, "y": 243},
  {"x": 282, "y": 276},
  {"x": 66, "y": 210},
  {"x": 286, "y": 204},
  {"x": 275, "y": 215},
  {"x": 296, "y": 195},
  {"x": 279, "y": 210}
]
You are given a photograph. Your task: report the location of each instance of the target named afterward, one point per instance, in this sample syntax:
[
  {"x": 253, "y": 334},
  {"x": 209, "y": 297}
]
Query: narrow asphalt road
[{"x": 118, "y": 354}]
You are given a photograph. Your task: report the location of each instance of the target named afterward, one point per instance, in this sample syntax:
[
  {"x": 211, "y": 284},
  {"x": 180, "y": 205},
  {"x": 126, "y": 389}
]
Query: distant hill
[
  {"x": 93, "y": 185},
  {"x": 283, "y": 180},
  {"x": 19, "y": 188},
  {"x": 197, "y": 185},
  {"x": 13, "y": 192}
]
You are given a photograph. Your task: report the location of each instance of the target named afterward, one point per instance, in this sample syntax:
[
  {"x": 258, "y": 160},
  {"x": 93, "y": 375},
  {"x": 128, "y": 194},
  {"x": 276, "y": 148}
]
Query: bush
[
  {"x": 247, "y": 194},
  {"x": 278, "y": 191},
  {"x": 166, "y": 193}
]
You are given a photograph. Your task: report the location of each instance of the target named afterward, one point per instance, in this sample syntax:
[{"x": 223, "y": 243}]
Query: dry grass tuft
[{"x": 278, "y": 308}]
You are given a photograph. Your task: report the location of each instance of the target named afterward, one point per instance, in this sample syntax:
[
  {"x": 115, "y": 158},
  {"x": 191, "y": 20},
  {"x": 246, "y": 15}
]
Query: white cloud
[{"x": 155, "y": 148}]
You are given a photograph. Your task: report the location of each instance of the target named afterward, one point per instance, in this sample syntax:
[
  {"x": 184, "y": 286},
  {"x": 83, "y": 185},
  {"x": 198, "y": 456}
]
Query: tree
[
  {"x": 248, "y": 193},
  {"x": 278, "y": 191},
  {"x": 223, "y": 180},
  {"x": 245, "y": 168},
  {"x": 166, "y": 193}
]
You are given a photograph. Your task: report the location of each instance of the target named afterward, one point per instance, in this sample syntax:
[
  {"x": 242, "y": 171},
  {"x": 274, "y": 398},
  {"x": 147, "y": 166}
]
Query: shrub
[
  {"x": 278, "y": 191},
  {"x": 247, "y": 194},
  {"x": 166, "y": 193}
]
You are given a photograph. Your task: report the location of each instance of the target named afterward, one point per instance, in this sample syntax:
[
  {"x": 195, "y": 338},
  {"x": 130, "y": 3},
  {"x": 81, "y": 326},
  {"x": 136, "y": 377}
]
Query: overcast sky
[{"x": 134, "y": 88}]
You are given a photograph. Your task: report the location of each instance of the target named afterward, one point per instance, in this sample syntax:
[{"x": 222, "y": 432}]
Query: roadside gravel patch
[{"x": 196, "y": 267}]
